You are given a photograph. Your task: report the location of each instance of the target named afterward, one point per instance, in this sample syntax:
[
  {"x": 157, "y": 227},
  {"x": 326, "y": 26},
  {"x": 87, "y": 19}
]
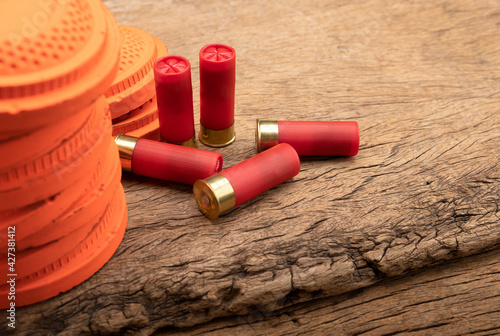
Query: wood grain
[
  {"x": 458, "y": 298},
  {"x": 420, "y": 78}
]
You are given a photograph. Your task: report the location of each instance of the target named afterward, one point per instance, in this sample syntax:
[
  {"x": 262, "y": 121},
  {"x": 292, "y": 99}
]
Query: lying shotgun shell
[
  {"x": 245, "y": 180},
  {"x": 217, "y": 90},
  {"x": 174, "y": 95},
  {"x": 166, "y": 161},
  {"x": 310, "y": 138}
]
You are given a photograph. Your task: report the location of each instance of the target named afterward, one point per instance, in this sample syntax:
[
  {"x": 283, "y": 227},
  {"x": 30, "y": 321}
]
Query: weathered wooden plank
[
  {"x": 421, "y": 79},
  {"x": 459, "y": 298}
]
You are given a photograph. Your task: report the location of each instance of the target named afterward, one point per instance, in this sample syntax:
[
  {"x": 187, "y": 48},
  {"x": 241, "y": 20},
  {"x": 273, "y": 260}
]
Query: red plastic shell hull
[
  {"x": 174, "y": 95},
  {"x": 263, "y": 171},
  {"x": 217, "y": 86},
  {"x": 320, "y": 138},
  {"x": 173, "y": 162}
]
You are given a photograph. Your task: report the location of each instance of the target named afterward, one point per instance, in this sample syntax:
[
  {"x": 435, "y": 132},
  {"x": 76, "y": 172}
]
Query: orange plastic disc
[
  {"x": 57, "y": 68},
  {"x": 61, "y": 169},
  {"x": 77, "y": 265},
  {"x": 42, "y": 215},
  {"x": 87, "y": 208},
  {"x": 138, "y": 118},
  {"x": 150, "y": 131},
  {"x": 30, "y": 149},
  {"x": 31, "y": 260},
  {"x": 134, "y": 85}
]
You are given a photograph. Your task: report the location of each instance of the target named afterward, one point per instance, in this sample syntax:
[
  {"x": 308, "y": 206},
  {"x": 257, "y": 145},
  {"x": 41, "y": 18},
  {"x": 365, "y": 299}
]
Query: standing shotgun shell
[
  {"x": 217, "y": 85},
  {"x": 166, "y": 161},
  {"x": 310, "y": 138},
  {"x": 174, "y": 96},
  {"x": 242, "y": 182}
]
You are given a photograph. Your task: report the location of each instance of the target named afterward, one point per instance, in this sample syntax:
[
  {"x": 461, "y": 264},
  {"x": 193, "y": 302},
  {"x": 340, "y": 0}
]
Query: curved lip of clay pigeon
[
  {"x": 138, "y": 118},
  {"x": 32, "y": 259},
  {"x": 63, "y": 68},
  {"x": 26, "y": 186},
  {"x": 77, "y": 265},
  {"x": 46, "y": 212},
  {"x": 45, "y": 147},
  {"x": 86, "y": 208},
  {"x": 150, "y": 131},
  {"x": 134, "y": 84}
]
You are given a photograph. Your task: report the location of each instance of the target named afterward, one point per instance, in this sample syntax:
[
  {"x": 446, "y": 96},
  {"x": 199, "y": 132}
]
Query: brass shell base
[
  {"x": 126, "y": 145},
  {"x": 188, "y": 143},
  {"x": 266, "y": 134},
  {"x": 214, "y": 196},
  {"x": 217, "y": 138}
]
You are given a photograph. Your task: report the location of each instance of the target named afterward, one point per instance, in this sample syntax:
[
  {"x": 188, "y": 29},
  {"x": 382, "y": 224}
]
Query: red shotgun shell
[
  {"x": 238, "y": 184},
  {"x": 166, "y": 161},
  {"x": 310, "y": 138},
  {"x": 217, "y": 85},
  {"x": 174, "y": 96}
]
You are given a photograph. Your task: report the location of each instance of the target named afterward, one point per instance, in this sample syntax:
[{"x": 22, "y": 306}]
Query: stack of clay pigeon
[
  {"x": 131, "y": 96},
  {"x": 62, "y": 207}
]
